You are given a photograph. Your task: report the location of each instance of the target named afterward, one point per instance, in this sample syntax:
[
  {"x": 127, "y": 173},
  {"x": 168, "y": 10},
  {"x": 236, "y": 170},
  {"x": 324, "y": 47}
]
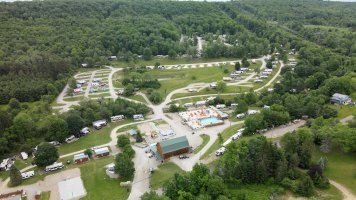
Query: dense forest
[{"x": 42, "y": 41}]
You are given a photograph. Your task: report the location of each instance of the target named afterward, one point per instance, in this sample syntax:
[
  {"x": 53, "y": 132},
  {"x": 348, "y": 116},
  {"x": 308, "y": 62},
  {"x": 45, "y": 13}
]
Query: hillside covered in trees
[{"x": 42, "y": 41}]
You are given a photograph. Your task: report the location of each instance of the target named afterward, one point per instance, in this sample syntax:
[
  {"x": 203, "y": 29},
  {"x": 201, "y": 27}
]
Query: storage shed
[
  {"x": 80, "y": 158},
  {"x": 101, "y": 152}
]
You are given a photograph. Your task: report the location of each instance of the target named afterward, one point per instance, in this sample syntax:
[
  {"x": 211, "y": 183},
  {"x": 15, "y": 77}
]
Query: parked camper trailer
[
  {"x": 99, "y": 124},
  {"x": 117, "y": 118},
  {"x": 138, "y": 117},
  {"x": 26, "y": 175},
  {"x": 54, "y": 166}
]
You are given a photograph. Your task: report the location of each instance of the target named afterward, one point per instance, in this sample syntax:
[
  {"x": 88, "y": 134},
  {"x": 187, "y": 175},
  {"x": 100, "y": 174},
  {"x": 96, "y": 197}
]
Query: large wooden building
[{"x": 173, "y": 147}]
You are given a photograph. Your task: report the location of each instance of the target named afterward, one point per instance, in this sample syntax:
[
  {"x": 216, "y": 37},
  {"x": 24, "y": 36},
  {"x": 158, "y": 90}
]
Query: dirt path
[{"x": 345, "y": 192}]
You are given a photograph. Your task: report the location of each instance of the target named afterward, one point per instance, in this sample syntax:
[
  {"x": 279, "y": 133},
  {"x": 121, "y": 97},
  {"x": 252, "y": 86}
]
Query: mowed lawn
[
  {"x": 98, "y": 185},
  {"x": 163, "y": 173},
  {"x": 226, "y": 134},
  {"x": 183, "y": 77},
  {"x": 341, "y": 167},
  {"x": 206, "y": 139},
  {"x": 344, "y": 110},
  {"x": 94, "y": 138}
]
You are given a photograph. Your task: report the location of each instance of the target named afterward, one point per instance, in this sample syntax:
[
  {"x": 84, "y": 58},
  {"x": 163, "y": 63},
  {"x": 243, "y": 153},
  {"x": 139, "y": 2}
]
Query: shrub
[
  {"x": 122, "y": 141},
  {"x": 89, "y": 153}
]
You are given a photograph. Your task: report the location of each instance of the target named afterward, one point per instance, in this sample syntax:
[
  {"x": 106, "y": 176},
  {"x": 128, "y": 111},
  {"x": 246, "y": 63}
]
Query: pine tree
[{"x": 15, "y": 176}]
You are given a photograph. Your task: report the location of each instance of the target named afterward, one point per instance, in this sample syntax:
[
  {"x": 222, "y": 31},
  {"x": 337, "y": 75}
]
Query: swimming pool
[{"x": 211, "y": 121}]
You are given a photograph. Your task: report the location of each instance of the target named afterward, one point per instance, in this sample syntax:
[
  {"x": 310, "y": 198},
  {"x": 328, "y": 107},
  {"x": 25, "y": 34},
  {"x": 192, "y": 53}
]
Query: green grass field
[
  {"x": 97, "y": 184},
  {"x": 206, "y": 139},
  {"x": 163, "y": 174},
  {"x": 341, "y": 167},
  {"x": 94, "y": 138},
  {"x": 260, "y": 191},
  {"x": 343, "y": 110},
  {"x": 138, "y": 98},
  {"x": 183, "y": 77},
  {"x": 75, "y": 98},
  {"x": 225, "y": 135},
  {"x": 96, "y": 95}
]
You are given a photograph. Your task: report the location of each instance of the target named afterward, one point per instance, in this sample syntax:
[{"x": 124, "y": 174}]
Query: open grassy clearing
[
  {"x": 227, "y": 133},
  {"x": 97, "y": 184},
  {"x": 76, "y": 98},
  {"x": 94, "y": 138},
  {"x": 180, "y": 78},
  {"x": 101, "y": 94},
  {"x": 343, "y": 110},
  {"x": 258, "y": 191},
  {"x": 166, "y": 61},
  {"x": 163, "y": 173},
  {"x": 138, "y": 98},
  {"x": 341, "y": 167},
  {"x": 183, "y": 77},
  {"x": 206, "y": 139}
]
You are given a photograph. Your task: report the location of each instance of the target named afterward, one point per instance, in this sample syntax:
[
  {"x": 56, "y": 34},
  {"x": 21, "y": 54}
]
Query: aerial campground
[{"x": 177, "y": 100}]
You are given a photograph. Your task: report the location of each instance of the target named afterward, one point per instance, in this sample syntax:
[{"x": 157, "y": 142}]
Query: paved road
[{"x": 141, "y": 180}]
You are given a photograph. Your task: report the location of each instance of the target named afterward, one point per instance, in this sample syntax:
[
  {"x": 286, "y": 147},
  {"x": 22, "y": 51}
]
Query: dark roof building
[
  {"x": 173, "y": 147},
  {"x": 340, "y": 99}
]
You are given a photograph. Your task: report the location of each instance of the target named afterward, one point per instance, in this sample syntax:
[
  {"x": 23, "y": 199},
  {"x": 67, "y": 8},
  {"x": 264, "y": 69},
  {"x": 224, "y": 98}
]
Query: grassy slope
[
  {"x": 225, "y": 135},
  {"x": 341, "y": 167},
  {"x": 163, "y": 174}
]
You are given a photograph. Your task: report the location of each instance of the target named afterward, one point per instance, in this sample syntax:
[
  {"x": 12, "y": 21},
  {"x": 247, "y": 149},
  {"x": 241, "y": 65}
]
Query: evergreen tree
[{"x": 15, "y": 176}]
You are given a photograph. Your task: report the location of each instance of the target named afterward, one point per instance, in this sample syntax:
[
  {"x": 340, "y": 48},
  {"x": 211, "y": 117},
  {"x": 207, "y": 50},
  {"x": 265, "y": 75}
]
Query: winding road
[{"x": 141, "y": 179}]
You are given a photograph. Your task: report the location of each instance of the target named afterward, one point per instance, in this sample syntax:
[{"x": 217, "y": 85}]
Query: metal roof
[
  {"x": 80, "y": 156},
  {"x": 101, "y": 150},
  {"x": 174, "y": 144}
]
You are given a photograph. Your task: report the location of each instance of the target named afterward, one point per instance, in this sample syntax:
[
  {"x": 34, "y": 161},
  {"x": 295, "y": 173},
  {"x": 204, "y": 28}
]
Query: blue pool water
[{"x": 208, "y": 121}]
